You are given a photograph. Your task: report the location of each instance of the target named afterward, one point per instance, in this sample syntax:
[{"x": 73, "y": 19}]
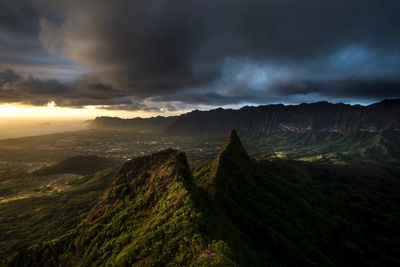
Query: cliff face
[{"x": 321, "y": 117}]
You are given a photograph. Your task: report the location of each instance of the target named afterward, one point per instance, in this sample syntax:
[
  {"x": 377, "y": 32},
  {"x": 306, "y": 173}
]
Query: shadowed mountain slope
[
  {"x": 320, "y": 117},
  {"x": 301, "y": 214},
  {"x": 231, "y": 165}
]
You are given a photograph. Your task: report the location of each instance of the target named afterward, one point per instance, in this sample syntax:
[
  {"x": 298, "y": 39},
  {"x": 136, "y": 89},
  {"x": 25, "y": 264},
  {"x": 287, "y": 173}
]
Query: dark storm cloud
[
  {"x": 183, "y": 50},
  {"x": 8, "y": 76},
  {"x": 216, "y": 99},
  {"x": 367, "y": 88},
  {"x": 159, "y": 46},
  {"x": 83, "y": 91},
  {"x": 20, "y": 46},
  {"x": 18, "y": 31},
  {"x": 135, "y": 106}
]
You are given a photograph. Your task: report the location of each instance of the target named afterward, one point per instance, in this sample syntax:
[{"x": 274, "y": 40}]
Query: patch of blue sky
[{"x": 356, "y": 60}]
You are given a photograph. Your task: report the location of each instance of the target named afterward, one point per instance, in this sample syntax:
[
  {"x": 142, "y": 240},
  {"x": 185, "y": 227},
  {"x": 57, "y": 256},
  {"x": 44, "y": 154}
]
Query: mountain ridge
[{"x": 264, "y": 120}]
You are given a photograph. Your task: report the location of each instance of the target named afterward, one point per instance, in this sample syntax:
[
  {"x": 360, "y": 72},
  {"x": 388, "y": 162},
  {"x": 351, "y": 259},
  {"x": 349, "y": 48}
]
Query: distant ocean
[{"x": 22, "y": 128}]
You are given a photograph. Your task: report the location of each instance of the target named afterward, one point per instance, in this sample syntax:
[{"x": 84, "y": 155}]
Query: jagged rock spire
[
  {"x": 232, "y": 164},
  {"x": 233, "y": 145},
  {"x": 233, "y": 150}
]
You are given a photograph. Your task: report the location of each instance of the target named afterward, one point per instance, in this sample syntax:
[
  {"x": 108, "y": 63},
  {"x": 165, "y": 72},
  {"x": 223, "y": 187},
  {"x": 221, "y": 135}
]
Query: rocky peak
[
  {"x": 233, "y": 150},
  {"x": 146, "y": 178},
  {"x": 232, "y": 165},
  {"x": 233, "y": 145},
  {"x": 155, "y": 171}
]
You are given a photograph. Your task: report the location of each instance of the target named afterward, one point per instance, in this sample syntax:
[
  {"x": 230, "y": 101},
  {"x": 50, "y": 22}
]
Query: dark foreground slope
[
  {"x": 306, "y": 214},
  {"x": 234, "y": 212}
]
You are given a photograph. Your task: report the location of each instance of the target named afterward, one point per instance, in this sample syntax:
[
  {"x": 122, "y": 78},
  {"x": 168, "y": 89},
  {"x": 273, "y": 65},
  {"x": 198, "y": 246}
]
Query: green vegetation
[
  {"x": 234, "y": 211},
  {"x": 47, "y": 216},
  {"x": 382, "y": 147},
  {"x": 41, "y": 205},
  {"x": 148, "y": 217},
  {"x": 78, "y": 165}
]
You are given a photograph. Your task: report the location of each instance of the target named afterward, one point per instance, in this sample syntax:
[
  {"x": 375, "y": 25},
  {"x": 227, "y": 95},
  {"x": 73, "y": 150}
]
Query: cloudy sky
[{"x": 174, "y": 55}]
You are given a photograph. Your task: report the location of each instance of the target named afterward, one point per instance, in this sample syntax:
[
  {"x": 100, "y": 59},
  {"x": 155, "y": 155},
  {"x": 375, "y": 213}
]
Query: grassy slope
[{"x": 51, "y": 214}]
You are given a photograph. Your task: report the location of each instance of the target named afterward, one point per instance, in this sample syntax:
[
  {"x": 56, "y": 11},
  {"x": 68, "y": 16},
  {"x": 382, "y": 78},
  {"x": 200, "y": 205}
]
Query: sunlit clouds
[{"x": 50, "y": 111}]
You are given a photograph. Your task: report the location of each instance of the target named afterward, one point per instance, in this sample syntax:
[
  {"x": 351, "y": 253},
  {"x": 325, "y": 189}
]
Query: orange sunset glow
[{"x": 51, "y": 111}]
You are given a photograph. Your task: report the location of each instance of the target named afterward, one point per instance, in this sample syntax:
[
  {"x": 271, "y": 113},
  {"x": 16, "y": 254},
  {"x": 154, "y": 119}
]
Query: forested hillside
[{"x": 234, "y": 211}]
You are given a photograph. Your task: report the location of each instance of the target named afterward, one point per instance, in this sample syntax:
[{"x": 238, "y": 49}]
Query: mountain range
[
  {"x": 320, "y": 117},
  {"x": 233, "y": 211},
  {"x": 339, "y": 132}
]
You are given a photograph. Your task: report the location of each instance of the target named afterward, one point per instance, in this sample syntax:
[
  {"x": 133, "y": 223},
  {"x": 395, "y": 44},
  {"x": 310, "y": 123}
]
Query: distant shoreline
[{"x": 33, "y": 128}]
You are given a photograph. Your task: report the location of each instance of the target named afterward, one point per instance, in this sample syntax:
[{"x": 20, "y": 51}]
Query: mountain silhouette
[{"x": 267, "y": 120}]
